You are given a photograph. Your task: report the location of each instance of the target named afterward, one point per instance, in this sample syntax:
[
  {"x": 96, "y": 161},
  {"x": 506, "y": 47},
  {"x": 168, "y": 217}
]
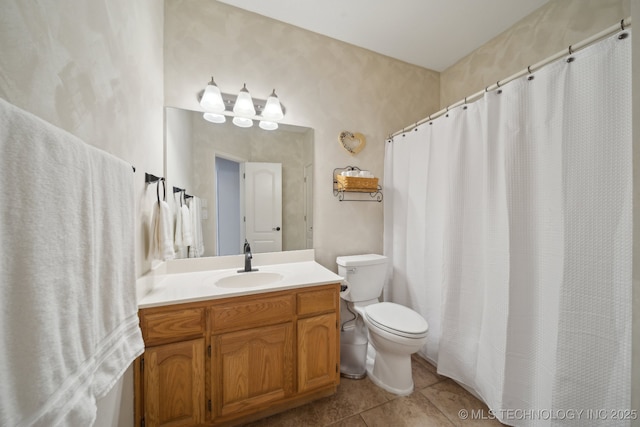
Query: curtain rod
[{"x": 625, "y": 23}]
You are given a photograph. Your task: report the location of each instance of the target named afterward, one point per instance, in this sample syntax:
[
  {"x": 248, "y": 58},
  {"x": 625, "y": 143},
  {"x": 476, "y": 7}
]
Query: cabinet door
[
  {"x": 317, "y": 352},
  {"x": 252, "y": 368},
  {"x": 174, "y": 384}
]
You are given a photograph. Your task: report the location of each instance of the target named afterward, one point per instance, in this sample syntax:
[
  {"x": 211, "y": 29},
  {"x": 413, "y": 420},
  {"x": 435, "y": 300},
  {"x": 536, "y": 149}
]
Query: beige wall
[
  {"x": 93, "y": 68},
  {"x": 635, "y": 84},
  {"x": 553, "y": 27},
  {"x": 327, "y": 85}
]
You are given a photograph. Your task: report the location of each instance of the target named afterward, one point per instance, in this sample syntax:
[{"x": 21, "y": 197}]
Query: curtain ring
[
  {"x": 570, "y": 50},
  {"x": 622, "y": 24},
  {"x": 529, "y": 69},
  {"x": 498, "y": 83}
]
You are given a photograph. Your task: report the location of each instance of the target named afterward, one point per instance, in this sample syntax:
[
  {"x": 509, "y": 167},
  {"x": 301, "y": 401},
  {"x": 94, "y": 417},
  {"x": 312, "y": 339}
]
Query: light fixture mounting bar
[{"x": 230, "y": 101}]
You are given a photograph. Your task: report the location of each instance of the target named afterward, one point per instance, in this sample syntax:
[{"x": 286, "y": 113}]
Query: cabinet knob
[{"x": 276, "y": 228}]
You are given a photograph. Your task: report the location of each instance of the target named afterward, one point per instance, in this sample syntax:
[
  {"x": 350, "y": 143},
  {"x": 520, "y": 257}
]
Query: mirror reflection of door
[
  {"x": 191, "y": 146},
  {"x": 263, "y": 206},
  {"x": 308, "y": 205},
  {"x": 228, "y": 207}
]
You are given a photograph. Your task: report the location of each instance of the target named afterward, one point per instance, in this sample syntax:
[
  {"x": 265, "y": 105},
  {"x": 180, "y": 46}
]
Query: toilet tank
[{"x": 365, "y": 275}]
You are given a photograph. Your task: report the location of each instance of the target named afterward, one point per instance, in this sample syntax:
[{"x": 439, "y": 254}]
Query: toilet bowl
[{"x": 395, "y": 332}]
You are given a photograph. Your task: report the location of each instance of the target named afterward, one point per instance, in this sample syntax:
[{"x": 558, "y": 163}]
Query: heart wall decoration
[{"x": 352, "y": 142}]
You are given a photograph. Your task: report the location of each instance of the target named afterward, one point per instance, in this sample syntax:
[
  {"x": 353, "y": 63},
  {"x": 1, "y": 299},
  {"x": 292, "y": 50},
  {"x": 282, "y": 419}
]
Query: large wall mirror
[{"x": 243, "y": 177}]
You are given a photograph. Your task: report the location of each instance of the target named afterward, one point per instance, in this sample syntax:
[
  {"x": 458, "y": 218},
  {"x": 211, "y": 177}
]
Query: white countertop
[{"x": 182, "y": 287}]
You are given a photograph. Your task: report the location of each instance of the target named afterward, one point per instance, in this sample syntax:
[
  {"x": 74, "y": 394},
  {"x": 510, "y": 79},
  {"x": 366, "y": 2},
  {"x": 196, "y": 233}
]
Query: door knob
[{"x": 276, "y": 229}]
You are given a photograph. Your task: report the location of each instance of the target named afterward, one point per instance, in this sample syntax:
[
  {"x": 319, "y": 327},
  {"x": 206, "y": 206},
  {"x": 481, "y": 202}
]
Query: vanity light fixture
[
  {"x": 243, "y": 108},
  {"x": 242, "y": 122},
  {"x": 266, "y": 125},
  {"x": 212, "y": 98},
  {"x": 214, "y": 117},
  {"x": 272, "y": 109},
  {"x": 244, "y": 103}
]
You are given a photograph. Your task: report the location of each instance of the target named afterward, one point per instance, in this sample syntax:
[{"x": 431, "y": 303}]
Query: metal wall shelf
[{"x": 351, "y": 195}]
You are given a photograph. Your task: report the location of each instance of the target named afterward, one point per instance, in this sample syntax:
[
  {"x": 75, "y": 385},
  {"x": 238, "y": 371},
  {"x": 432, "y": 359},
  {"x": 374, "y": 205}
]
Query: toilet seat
[{"x": 397, "y": 320}]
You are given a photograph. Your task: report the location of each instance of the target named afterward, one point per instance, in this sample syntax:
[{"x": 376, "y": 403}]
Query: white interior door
[
  {"x": 229, "y": 228},
  {"x": 308, "y": 205},
  {"x": 263, "y": 204}
]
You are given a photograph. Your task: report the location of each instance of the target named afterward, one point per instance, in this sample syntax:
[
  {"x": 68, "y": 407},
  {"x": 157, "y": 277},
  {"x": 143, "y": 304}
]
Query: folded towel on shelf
[
  {"x": 68, "y": 310},
  {"x": 185, "y": 219},
  {"x": 195, "y": 208},
  {"x": 162, "y": 232}
]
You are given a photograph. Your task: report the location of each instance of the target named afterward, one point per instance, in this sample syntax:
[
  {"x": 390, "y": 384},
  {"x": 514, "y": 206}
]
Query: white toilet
[{"x": 395, "y": 331}]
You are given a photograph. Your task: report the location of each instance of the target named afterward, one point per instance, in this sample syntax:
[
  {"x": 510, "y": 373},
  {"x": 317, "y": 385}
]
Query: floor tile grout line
[
  {"x": 372, "y": 408},
  {"x": 435, "y": 405}
]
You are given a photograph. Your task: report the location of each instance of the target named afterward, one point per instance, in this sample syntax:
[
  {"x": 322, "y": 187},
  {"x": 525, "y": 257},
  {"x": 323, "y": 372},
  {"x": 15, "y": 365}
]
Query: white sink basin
[{"x": 249, "y": 280}]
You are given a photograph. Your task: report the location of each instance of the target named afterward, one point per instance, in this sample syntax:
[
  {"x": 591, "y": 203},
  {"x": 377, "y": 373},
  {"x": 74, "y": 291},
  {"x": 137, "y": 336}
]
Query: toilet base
[
  {"x": 354, "y": 376},
  {"x": 381, "y": 384},
  {"x": 390, "y": 372}
]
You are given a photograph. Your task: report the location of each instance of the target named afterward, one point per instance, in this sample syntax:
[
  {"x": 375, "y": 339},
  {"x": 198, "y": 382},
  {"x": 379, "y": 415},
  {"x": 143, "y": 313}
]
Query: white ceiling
[{"x": 431, "y": 33}]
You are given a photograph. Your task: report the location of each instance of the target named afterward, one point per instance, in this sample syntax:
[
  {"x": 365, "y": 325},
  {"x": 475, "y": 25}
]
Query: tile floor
[{"x": 436, "y": 401}]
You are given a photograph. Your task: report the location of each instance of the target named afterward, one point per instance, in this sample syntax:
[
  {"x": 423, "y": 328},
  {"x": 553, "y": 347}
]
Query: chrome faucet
[{"x": 247, "y": 258}]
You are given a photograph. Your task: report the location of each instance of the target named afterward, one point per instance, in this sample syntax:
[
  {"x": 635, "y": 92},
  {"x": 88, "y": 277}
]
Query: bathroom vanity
[{"x": 233, "y": 353}]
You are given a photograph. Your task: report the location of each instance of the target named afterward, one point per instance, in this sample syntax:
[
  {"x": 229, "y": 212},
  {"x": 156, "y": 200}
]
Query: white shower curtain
[{"x": 508, "y": 224}]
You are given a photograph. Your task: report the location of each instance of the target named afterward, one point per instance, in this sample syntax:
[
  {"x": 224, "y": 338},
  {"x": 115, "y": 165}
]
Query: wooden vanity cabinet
[
  {"x": 174, "y": 384},
  {"x": 238, "y": 359},
  {"x": 317, "y": 338}
]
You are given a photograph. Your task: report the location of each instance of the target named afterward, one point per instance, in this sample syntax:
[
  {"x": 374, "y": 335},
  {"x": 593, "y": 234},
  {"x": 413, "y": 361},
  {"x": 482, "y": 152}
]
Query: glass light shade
[
  {"x": 242, "y": 122},
  {"x": 244, "y": 103},
  {"x": 272, "y": 109},
  {"x": 214, "y": 118},
  {"x": 266, "y": 125},
  {"x": 212, "y": 98}
]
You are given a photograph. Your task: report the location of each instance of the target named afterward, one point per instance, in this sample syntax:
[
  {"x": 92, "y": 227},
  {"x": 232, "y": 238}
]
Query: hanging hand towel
[
  {"x": 179, "y": 244},
  {"x": 187, "y": 235},
  {"x": 163, "y": 233},
  {"x": 197, "y": 249}
]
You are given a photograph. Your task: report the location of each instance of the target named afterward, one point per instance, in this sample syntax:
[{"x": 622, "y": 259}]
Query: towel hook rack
[
  {"x": 164, "y": 190},
  {"x": 181, "y": 191},
  {"x": 150, "y": 179}
]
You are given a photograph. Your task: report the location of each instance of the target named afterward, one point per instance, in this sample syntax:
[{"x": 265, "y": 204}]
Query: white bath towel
[
  {"x": 163, "y": 232},
  {"x": 68, "y": 310},
  {"x": 195, "y": 208},
  {"x": 185, "y": 218}
]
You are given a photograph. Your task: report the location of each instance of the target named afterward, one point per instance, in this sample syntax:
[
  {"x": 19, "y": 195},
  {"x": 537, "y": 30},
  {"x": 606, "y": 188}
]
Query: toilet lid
[{"x": 397, "y": 319}]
